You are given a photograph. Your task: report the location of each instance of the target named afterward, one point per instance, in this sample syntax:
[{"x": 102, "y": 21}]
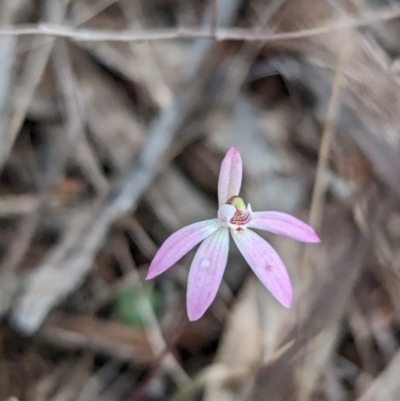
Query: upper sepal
[{"x": 230, "y": 176}]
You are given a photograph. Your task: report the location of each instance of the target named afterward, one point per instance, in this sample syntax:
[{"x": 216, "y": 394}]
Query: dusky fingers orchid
[{"x": 209, "y": 263}]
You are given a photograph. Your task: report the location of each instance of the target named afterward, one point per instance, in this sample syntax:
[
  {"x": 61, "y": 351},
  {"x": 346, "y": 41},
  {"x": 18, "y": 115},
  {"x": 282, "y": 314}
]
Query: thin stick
[
  {"x": 220, "y": 34},
  {"x": 318, "y": 196},
  {"x": 152, "y": 327},
  {"x": 317, "y": 201}
]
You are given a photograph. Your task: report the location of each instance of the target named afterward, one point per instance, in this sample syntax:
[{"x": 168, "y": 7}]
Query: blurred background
[{"x": 114, "y": 118}]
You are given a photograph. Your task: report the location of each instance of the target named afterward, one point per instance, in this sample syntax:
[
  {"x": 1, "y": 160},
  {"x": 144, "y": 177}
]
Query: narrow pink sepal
[
  {"x": 179, "y": 244},
  {"x": 230, "y": 176},
  {"x": 206, "y": 273},
  {"x": 284, "y": 224},
  {"x": 266, "y": 264}
]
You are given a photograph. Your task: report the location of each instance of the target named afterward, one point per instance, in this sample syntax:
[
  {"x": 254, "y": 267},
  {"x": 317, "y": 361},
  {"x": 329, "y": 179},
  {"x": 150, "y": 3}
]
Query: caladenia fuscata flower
[{"x": 234, "y": 216}]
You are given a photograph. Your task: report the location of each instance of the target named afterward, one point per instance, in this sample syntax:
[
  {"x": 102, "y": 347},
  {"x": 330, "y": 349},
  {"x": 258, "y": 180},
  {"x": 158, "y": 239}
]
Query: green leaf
[{"x": 130, "y": 305}]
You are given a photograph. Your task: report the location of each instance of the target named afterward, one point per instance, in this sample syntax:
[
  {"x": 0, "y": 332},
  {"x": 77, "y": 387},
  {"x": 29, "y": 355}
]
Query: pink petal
[
  {"x": 284, "y": 224},
  {"x": 179, "y": 244},
  {"x": 266, "y": 264},
  {"x": 206, "y": 273},
  {"x": 230, "y": 176}
]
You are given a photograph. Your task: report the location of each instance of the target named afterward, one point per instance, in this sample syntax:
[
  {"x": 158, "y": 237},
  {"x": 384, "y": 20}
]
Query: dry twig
[{"x": 220, "y": 34}]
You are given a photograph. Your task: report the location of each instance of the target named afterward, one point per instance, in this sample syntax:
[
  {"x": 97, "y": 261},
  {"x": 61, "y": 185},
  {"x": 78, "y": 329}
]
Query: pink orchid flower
[{"x": 209, "y": 263}]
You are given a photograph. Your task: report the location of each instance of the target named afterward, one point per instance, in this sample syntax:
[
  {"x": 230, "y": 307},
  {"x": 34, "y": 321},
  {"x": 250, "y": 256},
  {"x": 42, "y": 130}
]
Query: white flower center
[{"x": 234, "y": 214}]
